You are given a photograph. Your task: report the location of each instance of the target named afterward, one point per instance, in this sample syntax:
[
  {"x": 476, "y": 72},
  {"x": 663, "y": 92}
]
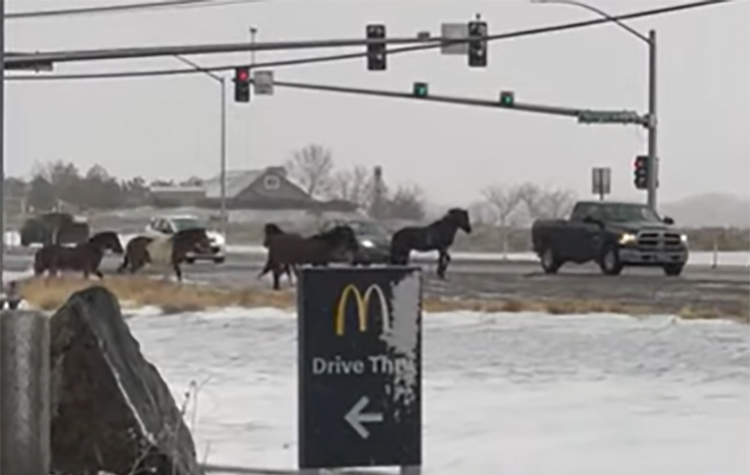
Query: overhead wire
[
  {"x": 126, "y": 8},
  {"x": 341, "y": 57}
]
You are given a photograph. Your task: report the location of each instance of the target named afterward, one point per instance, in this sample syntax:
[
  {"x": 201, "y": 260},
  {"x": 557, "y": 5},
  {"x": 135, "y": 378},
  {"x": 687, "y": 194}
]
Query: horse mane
[{"x": 271, "y": 229}]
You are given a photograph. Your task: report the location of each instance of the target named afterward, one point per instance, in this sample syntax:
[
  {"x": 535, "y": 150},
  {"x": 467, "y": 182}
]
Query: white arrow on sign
[{"x": 355, "y": 417}]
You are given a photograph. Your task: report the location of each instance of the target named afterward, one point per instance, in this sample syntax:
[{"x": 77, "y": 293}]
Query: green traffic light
[
  {"x": 420, "y": 89},
  {"x": 506, "y": 98}
]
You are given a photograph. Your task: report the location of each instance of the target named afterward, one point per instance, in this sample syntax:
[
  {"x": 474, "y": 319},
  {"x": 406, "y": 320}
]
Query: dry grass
[{"x": 170, "y": 297}]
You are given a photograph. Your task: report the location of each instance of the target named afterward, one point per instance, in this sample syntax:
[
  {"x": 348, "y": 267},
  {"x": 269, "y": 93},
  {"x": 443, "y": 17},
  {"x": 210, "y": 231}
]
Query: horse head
[
  {"x": 340, "y": 237},
  {"x": 460, "y": 217},
  {"x": 270, "y": 229},
  {"x": 107, "y": 240},
  {"x": 194, "y": 239}
]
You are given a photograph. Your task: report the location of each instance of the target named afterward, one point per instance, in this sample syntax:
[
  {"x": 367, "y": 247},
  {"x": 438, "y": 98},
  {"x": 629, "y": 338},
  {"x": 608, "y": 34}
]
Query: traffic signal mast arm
[{"x": 540, "y": 109}]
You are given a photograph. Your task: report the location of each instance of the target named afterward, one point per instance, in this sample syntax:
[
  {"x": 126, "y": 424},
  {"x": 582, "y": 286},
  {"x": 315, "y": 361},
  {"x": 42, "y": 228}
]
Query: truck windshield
[{"x": 623, "y": 213}]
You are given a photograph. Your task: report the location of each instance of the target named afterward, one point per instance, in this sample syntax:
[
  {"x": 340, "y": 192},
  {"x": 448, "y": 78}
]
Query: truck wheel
[
  {"x": 219, "y": 260},
  {"x": 190, "y": 260},
  {"x": 550, "y": 263},
  {"x": 673, "y": 269},
  {"x": 610, "y": 261}
]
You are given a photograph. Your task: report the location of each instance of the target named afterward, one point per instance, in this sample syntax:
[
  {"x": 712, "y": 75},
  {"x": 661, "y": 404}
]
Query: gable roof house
[{"x": 258, "y": 189}]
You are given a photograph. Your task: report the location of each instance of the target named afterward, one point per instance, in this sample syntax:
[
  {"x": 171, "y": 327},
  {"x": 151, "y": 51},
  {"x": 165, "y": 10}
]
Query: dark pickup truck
[{"x": 613, "y": 235}]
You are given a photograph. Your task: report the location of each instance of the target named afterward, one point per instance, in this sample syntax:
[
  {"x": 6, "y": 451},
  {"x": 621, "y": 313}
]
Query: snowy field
[
  {"x": 739, "y": 258},
  {"x": 504, "y": 394}
]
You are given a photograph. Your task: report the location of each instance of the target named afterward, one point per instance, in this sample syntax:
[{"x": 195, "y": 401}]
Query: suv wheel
[
  {"x": 550, "y": 263},
  {"x": 610, "y": 261}
]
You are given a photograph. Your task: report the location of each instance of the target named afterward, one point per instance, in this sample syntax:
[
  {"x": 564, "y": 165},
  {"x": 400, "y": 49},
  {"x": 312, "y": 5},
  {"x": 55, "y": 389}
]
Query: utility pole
[
  {"x": 2, "y": 142},
  {"x": 223, "y": 160}
]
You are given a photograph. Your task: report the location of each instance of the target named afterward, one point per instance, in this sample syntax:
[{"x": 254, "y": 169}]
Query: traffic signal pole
[
  {"x": 2, "y": 142},
  {"x": 651, "y": 119},
  {"x": 653, "y": 161}
]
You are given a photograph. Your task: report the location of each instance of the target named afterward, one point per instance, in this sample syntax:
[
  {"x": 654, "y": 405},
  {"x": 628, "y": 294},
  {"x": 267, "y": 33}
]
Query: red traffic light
[{"x": 242, "y": 74}]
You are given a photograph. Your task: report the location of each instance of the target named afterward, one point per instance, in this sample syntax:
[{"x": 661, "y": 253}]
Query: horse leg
[
  {"x": 177, "y": 270},
  {"x": 443, "y": 261},
  {"x": 276, "y": 278},
  {"x": 125, "y": 263}
]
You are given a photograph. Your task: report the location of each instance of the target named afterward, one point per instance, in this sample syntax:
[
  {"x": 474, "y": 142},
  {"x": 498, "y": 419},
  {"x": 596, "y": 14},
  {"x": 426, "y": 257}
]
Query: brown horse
[
  {"x": 164, "y": 251},
  {"x": 85, "y": 257},
  {"x": 318, "y": 250},
  {"x": 270, "y": 231}
]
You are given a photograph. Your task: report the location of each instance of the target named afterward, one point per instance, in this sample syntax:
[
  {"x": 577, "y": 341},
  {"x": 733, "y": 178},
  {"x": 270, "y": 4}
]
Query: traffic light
[
  {"x": 477, "y": 48},
  {"x": 640, "y": 172},
  {"x": 507, "y": 98},
  {"x": 242, "y": 84},
  {"x": 420, "y": 89},
  {"x": 376, "y": 51}
]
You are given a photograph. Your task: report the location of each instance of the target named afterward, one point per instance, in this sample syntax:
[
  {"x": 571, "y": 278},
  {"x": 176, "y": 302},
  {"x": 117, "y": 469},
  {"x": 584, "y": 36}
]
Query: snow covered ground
[
  {"x": 504, "y": 394},
  {"x": 739, "y": 258}
]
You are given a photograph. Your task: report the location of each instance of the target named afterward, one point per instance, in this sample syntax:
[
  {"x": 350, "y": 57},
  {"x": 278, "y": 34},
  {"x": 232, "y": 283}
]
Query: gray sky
[{"x": 159, "y": 127}]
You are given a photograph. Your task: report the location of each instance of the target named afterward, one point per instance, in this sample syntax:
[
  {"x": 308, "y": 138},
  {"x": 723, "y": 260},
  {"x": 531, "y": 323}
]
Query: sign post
[
  {"x": 360, "y": 368},
  {"x": 601, "y": 181}
]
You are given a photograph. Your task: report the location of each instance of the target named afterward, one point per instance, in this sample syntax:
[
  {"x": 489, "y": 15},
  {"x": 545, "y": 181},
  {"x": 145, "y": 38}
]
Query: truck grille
[{"x": 656, "y": 240}]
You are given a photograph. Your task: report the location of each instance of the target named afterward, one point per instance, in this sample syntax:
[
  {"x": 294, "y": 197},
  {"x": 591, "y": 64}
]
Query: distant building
[
  {"x": 168, "y": 196},
  {"x": 265, "y": 189},
  {"x": 258, "y": 189}
]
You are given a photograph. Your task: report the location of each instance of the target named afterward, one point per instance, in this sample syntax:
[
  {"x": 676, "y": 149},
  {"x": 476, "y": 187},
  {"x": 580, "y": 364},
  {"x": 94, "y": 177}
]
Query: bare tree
[
  {"x": 481, "y": 213},
  {"x": 406, "y": 202},
  {"x": 558, "y": 203},
  {"x": 353, "y": 185},
  {"x": 546, "y": 203},
  {"x": 504, "y": 201},
  {"x": 312, "y": 167},
  {"x": 532, "y": 196}
]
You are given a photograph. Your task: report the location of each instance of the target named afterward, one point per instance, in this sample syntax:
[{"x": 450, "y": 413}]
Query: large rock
[{"x": 110, "y": 408}]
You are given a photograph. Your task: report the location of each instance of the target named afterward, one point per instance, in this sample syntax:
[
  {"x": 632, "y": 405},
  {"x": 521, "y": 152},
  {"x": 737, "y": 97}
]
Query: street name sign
[
  {"x": 609, "y": 117},
  {"x": 360, "y": 367}
]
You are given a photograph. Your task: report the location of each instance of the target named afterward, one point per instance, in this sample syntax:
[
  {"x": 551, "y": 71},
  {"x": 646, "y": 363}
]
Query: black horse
[
  {"x": 292, "y": 250},
  {"x": 436, "y": 236}
]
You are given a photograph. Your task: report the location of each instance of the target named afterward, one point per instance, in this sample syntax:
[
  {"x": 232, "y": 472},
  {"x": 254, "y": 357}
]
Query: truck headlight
[
  {"x": 684, "y": 238},
  {"x": 628, "y": 238},
  {"x": 367, "y": 243},
  {"x": 218, "y": 240}
]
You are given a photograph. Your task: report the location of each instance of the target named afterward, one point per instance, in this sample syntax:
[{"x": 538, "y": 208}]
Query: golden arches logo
[{"x": 363, "y": 305}]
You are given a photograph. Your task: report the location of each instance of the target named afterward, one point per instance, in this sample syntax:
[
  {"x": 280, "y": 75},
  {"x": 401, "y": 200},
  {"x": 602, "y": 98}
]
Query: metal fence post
[{"x": 24, "y": 393}]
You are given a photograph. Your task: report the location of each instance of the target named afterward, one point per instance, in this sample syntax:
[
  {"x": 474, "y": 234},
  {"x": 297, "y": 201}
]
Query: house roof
[{"x": 237, "y": 181}]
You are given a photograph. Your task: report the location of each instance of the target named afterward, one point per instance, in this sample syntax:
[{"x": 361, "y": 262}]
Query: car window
[{"x": 181, "y": 224}]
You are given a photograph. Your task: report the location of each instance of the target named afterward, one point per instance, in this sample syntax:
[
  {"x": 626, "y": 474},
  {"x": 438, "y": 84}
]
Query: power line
[
  {"x": 340, "y": 57},
  {"x": 162, "y": 5},
  {"x": 154, "y": 51}
]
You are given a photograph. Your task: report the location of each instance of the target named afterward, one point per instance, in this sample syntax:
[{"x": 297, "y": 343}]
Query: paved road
[{"x": 726, "y": 288}]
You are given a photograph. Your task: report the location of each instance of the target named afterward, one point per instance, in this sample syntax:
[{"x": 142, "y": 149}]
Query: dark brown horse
[
  {"x": 270, "y": 231},
  {"x": 85, "y": 257},
  {"x": 318, "y": 250},
  {"x": 164, "y": 251}
]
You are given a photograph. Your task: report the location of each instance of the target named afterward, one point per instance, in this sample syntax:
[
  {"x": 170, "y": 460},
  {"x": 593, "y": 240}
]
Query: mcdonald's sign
[{"x": 363, "y": 306}]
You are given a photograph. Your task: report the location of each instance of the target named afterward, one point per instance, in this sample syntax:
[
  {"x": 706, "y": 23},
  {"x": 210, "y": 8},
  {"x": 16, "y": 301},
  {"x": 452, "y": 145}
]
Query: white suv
[{"x": 171, "y": 224}]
